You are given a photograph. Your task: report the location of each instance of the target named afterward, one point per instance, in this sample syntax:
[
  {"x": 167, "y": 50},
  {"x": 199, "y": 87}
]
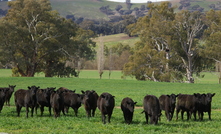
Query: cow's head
[
  {"x": 130, "y": 105},
  {"x": 209, "y": 97},
  {"x": 12, "y": 87},
  {"x": 33, "y": 89},
  {"x": 2, "y": 93},
  {"x": 107, "y": 99}
]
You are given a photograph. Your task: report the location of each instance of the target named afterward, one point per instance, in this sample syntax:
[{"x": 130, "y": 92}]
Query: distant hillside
[{"x": 91, "y": 8}]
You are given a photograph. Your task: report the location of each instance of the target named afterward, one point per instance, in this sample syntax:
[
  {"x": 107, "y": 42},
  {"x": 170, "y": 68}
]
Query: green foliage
[
  {"x": 175, "y": 39},
  {"x": 212, "y": 34},
  {"x": 35, "y": 38},
  {"x": 15, "y": 72}
]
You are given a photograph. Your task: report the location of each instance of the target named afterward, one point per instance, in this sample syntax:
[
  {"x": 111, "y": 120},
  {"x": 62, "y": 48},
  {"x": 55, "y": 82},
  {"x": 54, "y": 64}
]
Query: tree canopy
[
  {"x": 35, "y": 38},
  {"x": 169, "y": 47}
]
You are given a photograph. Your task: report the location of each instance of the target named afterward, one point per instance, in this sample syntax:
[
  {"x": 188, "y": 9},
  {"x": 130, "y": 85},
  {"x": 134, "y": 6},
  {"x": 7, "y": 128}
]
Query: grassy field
[
  {"x": 112, "y": 40},
  {"x": 120, "y": 88}
]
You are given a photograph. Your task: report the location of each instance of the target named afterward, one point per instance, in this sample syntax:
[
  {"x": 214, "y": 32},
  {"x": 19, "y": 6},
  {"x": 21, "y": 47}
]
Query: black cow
[
  {"x": 64, "y": 89},
  {"x": 205, "y": 105},
  {"x": 167, "y": 103},
  {"x": 2, "y": 97},
  {"x": 43, "y": 99},
  {"x": 9, "y": 93},
  {"x": 187, "y": 103},
  {"x": 151, "y": 109},
  {"x": 57, "y": 102},
  {"x": 127, "y": 106},
  {"x": 90, "y": 102},
  {"x": 105, "y": 104},
  {"x": 72, "y": 100},
  {"x": 26, "y": 98}
]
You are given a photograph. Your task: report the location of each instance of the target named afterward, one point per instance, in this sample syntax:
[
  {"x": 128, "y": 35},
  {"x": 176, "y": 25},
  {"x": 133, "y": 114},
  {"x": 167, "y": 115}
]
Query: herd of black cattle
[{"x": 61, "y": 99}]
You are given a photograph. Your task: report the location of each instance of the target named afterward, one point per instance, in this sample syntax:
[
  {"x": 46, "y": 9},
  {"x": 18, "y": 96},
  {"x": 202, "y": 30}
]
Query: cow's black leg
[
  {"x": 49, "y": 109},
  {"x": 18, "y": 109},
  {"x": 103, "y": 118},
  {"x": 42, "y": 110},
  {"x": 146, "y": 115},
  {"x": 27, "y": 110}
]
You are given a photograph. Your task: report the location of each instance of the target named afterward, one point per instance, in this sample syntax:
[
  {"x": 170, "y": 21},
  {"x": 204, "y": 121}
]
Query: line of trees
[{"x": 173, "y": 45}]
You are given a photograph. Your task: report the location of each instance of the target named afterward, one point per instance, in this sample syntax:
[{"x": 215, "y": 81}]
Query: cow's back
[
  {"x": 106, "y": 103},
  {"x": 151, "y": 104},
  {"x": 20, "y": 97},
  {"x": 164, "y": 101}
]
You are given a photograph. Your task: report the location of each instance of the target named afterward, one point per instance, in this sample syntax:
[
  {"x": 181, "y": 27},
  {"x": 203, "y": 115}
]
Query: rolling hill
[{"x": 90, "y": 8}]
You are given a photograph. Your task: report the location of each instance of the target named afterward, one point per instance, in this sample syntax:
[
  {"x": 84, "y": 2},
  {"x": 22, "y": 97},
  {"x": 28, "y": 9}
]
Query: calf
[
  {"x": 151, "y": 108},
  {"x": 90, "y": 102},
  {"x": 127, "y": 106},
  {"x": 2, "y": 97},
  {"x": 72, "y": 100},
  {"x": 57, "y": 103},
  {"x": 167, "y": 103},
  {"x": 43, "y": 99},
  {"x": 187, "y": 103},
  {"x": 9, "y": 93},
  {"x": 26, "y": 98},
  {"x": 105, "y": 104},
  {"x": 205, "y": 105}
]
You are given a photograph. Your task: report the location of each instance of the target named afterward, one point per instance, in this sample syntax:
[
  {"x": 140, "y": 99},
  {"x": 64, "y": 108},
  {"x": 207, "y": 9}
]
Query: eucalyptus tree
[
  {"x": 171, "y": 39},
  {"x": 34, "y": 37},
  {"x": 212, "y": 42},
  {"x": 188, "y": 27},
  {"x": 150, "y": 59}
]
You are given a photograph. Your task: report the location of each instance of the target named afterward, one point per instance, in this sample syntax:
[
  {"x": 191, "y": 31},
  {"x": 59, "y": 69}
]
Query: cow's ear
[
  {"x": 195, "y": 94},
  {"x": 38, "y": 87},
  {"x": 213, "y": 94},
  {"x": 82, "y": 92},
  {"x": 113, "y": 96},
  {"x": 29, "y": 87},
  {"x": 168, "y": 95},
  {"x": 74, "y": 90},
  {"x": 135, "y": 103},
  {"x": 102, "y": 96}
]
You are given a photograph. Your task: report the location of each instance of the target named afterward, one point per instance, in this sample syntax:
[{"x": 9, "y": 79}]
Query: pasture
[{"x": 120, "y": 88}]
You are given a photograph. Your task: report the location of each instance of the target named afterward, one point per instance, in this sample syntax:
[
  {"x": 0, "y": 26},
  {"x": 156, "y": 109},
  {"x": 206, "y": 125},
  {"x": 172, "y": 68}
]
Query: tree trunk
[
  {"x": 189, "y": 69},
  {"x": 30, "y": 70},
  {"x": 48, "y": 70}
]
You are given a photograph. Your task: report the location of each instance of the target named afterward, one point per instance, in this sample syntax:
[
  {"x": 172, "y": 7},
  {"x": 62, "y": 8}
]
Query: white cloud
[{"x": 137, "y": 1}]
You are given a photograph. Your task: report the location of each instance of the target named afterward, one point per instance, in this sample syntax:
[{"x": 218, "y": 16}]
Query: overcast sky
[{"x": 137, "y": 1}]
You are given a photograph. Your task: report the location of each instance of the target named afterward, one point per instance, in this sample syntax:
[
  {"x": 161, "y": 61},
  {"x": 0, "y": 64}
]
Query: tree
[
  {"x": 155, "y": 31},
  {"x": 211, "y": 47},
  {"x": 118, "y": 7},
  {"x": 100, "y": 57},
  {"x": 35, "y": 38},
  {"x": 187, "y": 27},
  {"x": 169, "y": 38}
]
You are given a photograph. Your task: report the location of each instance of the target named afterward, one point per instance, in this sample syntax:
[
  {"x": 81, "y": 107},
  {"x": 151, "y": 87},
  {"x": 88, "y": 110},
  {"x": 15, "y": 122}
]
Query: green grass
[
  {"x": 120, "y": 88},
  {"x": 86, "y": 8},
  {"x": 112, "y": 40}
]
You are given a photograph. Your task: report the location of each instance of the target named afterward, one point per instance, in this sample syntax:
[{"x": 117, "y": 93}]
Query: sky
[{"x": 137, "y": 1}]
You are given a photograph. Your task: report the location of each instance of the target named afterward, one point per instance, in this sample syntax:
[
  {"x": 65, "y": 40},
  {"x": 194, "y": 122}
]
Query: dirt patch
[
  {"x": 126, "y": 37},
  {"x": 118, "y": 107}
]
